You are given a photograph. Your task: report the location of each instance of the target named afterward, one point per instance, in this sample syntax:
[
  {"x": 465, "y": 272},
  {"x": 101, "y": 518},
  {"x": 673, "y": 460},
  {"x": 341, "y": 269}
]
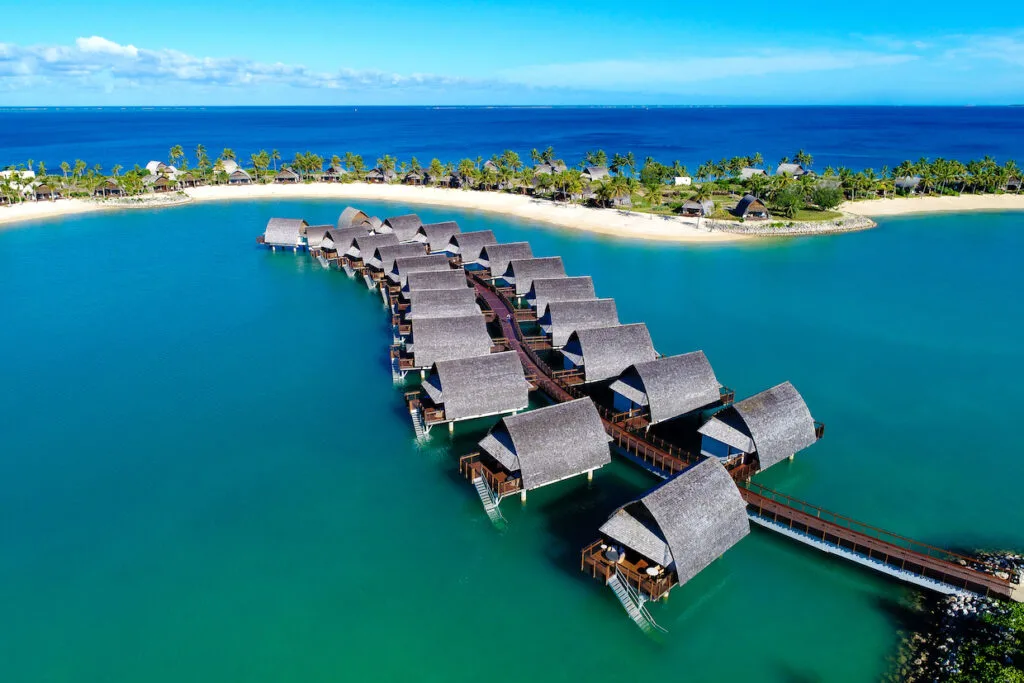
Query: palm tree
[
  {"x": 42, "y": 169},
  {"x": 757, "y": 160},
  {"x": 275, "y": 156},
  {"x": 117, "y": 169},
  {"x": 536, "y": 157},
  {"x": 200, "y": 152},
  {"x": 79, "y": 167},
  {"x": 704, "y": 191},
  {"x": 228, "y": 153},
  {"x": 65, "y": 166}
]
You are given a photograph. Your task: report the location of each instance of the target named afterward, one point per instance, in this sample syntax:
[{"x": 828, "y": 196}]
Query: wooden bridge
[{"x": 900, "y": 557}]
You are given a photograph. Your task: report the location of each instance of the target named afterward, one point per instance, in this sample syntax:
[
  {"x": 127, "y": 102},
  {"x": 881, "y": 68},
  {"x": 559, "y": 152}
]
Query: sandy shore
[
  {"x": 910, "y": 205},
  {"x": 602, "y": 221}
]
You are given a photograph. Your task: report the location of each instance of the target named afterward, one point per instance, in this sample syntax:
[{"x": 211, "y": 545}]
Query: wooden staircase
[{"x": 633, "y": 603}]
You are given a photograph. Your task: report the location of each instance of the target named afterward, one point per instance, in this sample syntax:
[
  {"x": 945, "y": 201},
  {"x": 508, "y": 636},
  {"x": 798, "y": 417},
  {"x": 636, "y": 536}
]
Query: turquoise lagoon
[{"x": 208, "y": 476}]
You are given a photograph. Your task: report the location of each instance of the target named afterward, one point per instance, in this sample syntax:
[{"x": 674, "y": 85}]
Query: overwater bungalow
[
  {"x": 436, "y": 339},
  {"x": 287, "y": 176},
  {"x": 454, "y": 279},
  {"x": 335, "y": 173},
  {"x": 466, "y": 246},
  {"x": 337, "y": 241},
  {"x": 441, "y": 303},
  {"x": 109, "y": 187},
  {"x": 437, "y": 235},
  {"x": 592, "y": 173},
  {"x": 286, "y": 233},
  {"x": 363, "y": 247},
  {"x": 694, "y": 209},
  {"x": 315, "y": 235},
  {"x": 747, "y": 173},
  {"x": 793, "y": 170},
  {"x": 496, "y": 257},
  {"x": 520, "y": 273},
  {"x": 603, "y": 353},
  {"x": 470, "y": 388},
  {"x": 352, "y": 217},
  {"x": 666, "y": 388},
  {"x": 527, "y": 451},
  {"x": 384, "y": 257},
  {"x": 561, "y": 318},
  {"x": 239, "y": 177},
  {"x": 750, "y": 207},
  {"x": 403, "y": 227},
  {"x": 404, "y": 265},
  {"x": 767, "y": 427},
  {"x": 545, "y": 290},
  {"x": 668, "y": 536}
]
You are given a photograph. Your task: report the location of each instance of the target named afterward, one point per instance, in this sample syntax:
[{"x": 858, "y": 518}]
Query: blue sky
[{"x": 255, "y": 52}]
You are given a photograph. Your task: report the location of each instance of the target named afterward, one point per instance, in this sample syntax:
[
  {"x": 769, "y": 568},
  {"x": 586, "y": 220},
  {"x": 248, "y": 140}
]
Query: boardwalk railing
[
  {"x": 653, "y": 587},
  {"x": 470, "y": 466}
]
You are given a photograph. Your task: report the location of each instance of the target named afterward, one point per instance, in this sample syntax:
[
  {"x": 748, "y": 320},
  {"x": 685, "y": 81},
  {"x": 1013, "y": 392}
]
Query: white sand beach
[{"x": 899, "y": 206}]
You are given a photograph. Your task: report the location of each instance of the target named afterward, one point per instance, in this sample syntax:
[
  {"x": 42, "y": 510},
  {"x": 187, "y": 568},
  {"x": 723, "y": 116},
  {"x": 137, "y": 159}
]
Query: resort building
[
  {"x": 550, "y": 167},
  {"x": 470, "y": 388},
  {"x": 668, "y": 536},
  {"x": 908, "y": 184},
  {"x": 403, "y": 227},
  {"x": 682, "y": 181},
  {"x": 747, "y": 173},
  {"x": 694, "y": 209},
  {"x": 229, "y": 166},
  {"x": 352, "y": 217},
  {"x": 239, "y": 177},
  {"x": 441, "y": 303},
  {"x": 561, "y": 318},
  {"x": 384, "y": 257},
  {"x": 43, "y": 191},
  {"x": 287, "y": 176},
  {"x": 334, "y": 173},
  {"x": 592, "y": 173},
  {"x": 404, "y": 265},
  {"x": 545, "y": 290},
  {"x": 750, "y": 207},
  {"x": 158, "y": 183},
  {"x": 364, "y": 246},
  {"x": 666, "y": 388},
  {"x": 520, "y": 273},
  {"x": 603, "y": 353},
  {"x": 380, "y": 175},
  {"x": 437, "y": 235},
  {"x": 436, "y": 339},
  {"x": 287, "y": 233},
  {"x": 433, "y": 280},
  {"x": 496, "y": 257},
  {"x": 530, "y": 450},
  {"x": 413, "y": 178},
  {"x": 466, "y": 246},
  {"x": 315, "y": 235},
  {"x": 108, "y": 187},
  {"x": 337, "y": 241},
  {"x": 769, "y": 427},
  {"x": 794, "y": 170}
]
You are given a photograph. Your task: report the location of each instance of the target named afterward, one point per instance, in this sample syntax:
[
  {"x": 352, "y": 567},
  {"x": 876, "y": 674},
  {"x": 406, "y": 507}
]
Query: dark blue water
[{"x": 857, "y": 137}]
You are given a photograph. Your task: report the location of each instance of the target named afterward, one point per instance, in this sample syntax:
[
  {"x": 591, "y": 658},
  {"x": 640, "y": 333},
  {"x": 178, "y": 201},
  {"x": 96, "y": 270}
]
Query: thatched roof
[
  {"x": 776, "y": 421},
  {"x": 561, "y": 318},
  {"x": 545, "y": 290},
  {"x": 605, "y": 352},
  {"x": 908, "y": 183},
  {"x": 353, "y": 217},
  {"x": 287, "y": 174},
  {"x": 595, "y": 172},
  {"x": 284, "y": 232},
  {"x": 670, "y": 386},
  {"x": 436, "y": 279},
  {"x": 748, "y": 173},
  {"x": 794, "y": 170},
  {"x": 437, "y": 235},
  {"x": 442, "y": 303},
  {"x": 384, "y": 257},
  {"x": 315, "y": 234},
  {"x": 749, "y": 203},
  {"x": 437, "y": 339},
  {"x": 229, "y": 165},
  {"x": 239, "y": 174},
  {"x": 404, "y": 227},
  {"x": 704, "y": 208},
  {"x": 469, "y": 244},
  {"x": 483, "y": 385},
  {"x": 497, "y": 256},
  {"x": 340, "y": 239},
  {"x": 522, "y": 272},
  {"x": 363, "y": 246},
  {"x": 403, "y": 265},
  {"x": 685, "y": 523},
  {"x": 550, "y": 444}
]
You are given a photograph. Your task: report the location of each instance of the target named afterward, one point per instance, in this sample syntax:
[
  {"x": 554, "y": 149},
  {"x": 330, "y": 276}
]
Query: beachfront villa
[
  {"x": 158, "y": 183},
  {"x": 908, "y": 184},
  {"x": 380, "y": 175},
  {"x": 334, "y": 173},
  {"x": 109, "y": 187},
  {"x": 603, "y": 353},
  {"x": 466, "y": 246},
  {"x": 286, "y": 233},
  {"x": 592, "y": 173},
  {"x": 496, "y": 257},
  {"x": 403, "y": 227},
  {"x": 670, "y": 535},
  {"x": 239, "y": 177},
  {"x": 544, "y": 446},
  {"x": 692, "y": 208},
  {"x": 436, "y": 235},
  {"x": 749, "y": 172},
  {"x": 545, "y": 290},
  {"x": 667, "y": 388},
  {"x": 471, "y": 388},
  {"x": 287, "y": 176},
  {"x": 770, "y": 427},
  {"x": 44, "y": 191},
  {"x": 228, "y": 165},
  {"x": 792, "y": 170},
  {"x": 560, "y": 319},
  {"x": 520, "y": 273},
  {"x": 550, "y": 167},
  {"x": 750, "y": 207}
]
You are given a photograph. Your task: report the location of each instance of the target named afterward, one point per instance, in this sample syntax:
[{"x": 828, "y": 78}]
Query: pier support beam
[
  {"x": 590, "y": 475},
  {"x": 522, "y": 496},
  {"x": 451, "y": 427}
]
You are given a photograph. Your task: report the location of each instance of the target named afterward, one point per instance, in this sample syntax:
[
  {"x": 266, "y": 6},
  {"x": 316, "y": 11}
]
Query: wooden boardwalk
[{"x": 883, "y": 551}]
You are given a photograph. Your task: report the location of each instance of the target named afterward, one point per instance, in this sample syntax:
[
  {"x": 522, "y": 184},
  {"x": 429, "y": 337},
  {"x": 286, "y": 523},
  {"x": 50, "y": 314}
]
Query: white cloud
[{"x": 104, "y": 46}]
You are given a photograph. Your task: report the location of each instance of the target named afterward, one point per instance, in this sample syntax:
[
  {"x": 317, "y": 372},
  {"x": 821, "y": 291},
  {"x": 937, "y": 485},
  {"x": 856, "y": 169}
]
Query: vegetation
[{"x": 649, "y": 186}]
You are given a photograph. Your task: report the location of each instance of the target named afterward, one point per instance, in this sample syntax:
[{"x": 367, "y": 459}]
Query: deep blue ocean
[{"x": 857, "y": 137}]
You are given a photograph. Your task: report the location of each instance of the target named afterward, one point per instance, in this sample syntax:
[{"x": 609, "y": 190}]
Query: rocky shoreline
[
  {"x": 146, "y": 200},
  {"x": 849, "y": 222}
]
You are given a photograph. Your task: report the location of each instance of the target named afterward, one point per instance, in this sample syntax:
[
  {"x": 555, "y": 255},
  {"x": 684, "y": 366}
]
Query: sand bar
[{"x": 900, "y": 206}]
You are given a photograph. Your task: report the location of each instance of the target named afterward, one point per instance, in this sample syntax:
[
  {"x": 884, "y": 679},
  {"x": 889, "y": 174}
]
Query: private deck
[{"x": 653, "y": 582}]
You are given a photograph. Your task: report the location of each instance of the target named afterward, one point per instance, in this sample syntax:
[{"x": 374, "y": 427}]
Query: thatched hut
[
  {"x": 522, "y": 272},
  {"x": 315, "y": 235},
  {"x": 561, "y": 318},
  {"x": 403, "y": 227},
  {"x": 363, "y": 246},
  {"x": 441, "y": 303},
  {"x": 770, "y": 426},
  {"x": 592, "y": 173},
  {"x": 481, "y": 386},
  {"x": 547, "y": 445},
  {"x": 668, "y": 387},
  {"x": 352, "y": 217},
  {"x": 404, "y": 265},
  {"x": 239, "y": 177},
  {"x": 750, "y": 207},
  {"x": 109, "y": 187},
  {"x": 694, "y": 209},
  {"x": 337, "y": 241},
  {"x": 437, "y": 339},
  {"x": 427, "y": 280},
  {"x": 335, "y": 173},
  {"x": 437, "y": 235},
  {"x": 672, "y": 533},
  {"x": 496, "y": 257},
  {"x": 747, "y": 173},
  {"x": 545, "y": 290},
  {"x": 603, "y": 353},
  {"x": 384, "y": 257},
  {"x": 467, "y": 245},
  {"x": 287, "y": 176},
  {"x": 288, "y": 233},
  {"x": 43, "y": 191},
  {"x": 793, "y": 170},
  {"x": 380, "y": 175}
]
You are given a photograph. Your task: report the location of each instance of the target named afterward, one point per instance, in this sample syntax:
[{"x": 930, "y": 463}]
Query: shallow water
[{"x": 207, "y": 473}]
